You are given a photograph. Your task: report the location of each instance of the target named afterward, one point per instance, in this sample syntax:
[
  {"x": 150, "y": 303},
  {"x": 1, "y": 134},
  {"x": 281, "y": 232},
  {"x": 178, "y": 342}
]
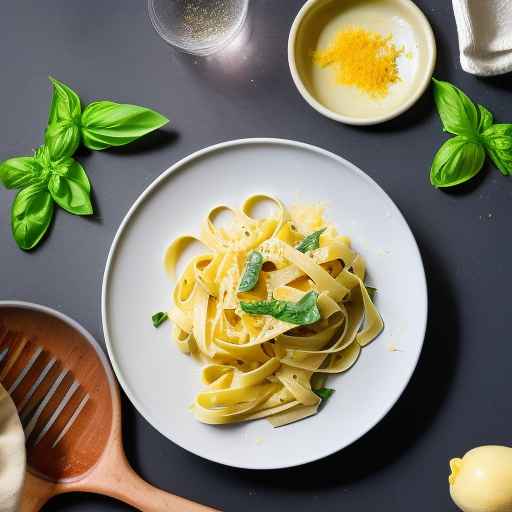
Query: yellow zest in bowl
[{"x": 364, "y": 59}]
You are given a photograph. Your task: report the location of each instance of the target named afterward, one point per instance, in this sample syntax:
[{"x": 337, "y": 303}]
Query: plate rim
[{"x": 148, "y": 191}]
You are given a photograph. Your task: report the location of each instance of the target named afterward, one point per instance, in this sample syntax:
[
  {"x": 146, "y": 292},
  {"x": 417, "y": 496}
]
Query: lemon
[{"x": 482, "y": 480}]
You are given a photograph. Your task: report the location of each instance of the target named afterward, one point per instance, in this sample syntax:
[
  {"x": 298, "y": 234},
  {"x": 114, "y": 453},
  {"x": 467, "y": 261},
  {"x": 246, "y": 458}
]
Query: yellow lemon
[{"x": 482, "y": 480}]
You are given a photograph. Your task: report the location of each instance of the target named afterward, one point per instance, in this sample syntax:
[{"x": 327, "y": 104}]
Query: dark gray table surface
[{"x": 459, "y": 395}]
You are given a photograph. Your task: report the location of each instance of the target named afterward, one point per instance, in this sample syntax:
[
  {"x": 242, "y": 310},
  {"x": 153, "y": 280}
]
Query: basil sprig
[
  {"x": 101, "y": 125},
  {"x": 252, "y": 272},
  {"x": 304, "y": 312},
  {"x": 52, "y": 175},
  {"x": 43, "y": 181},
  {"x": 311, "y": 242},
  {"x": 461, "y": 157}
]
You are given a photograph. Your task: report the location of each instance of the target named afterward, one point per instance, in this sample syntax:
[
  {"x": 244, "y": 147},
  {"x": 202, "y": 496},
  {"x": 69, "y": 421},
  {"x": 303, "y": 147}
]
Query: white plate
[{"x": 161, "y": 382}]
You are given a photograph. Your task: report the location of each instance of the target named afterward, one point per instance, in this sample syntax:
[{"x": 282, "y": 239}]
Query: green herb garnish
[
  {"x": 459, "y": 115},
  {"x": 105, "y": 124},
  {"x": 41, "y": 181},
  {"x": 371, "y": 291},
  {"x": 252, "y": 272},
  {"x": 462, "y": 157},
  {"x": 303, "y": 312},
  {"x": 498, "y": 143},
  {"x": 51, "y": 175},
  {"x": 31, "y": 214},
  {"x": 159, "y": 318},
  {"x": 324, "y": 393},
  {"x": 318, "y": 380},
  {"x": 311, "y": 242},
  {"x": 457, "y": 161}
]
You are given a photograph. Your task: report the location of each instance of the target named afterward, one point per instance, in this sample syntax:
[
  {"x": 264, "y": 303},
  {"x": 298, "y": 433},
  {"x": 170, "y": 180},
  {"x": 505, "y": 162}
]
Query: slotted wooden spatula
[{"x": 69, "y": 405}]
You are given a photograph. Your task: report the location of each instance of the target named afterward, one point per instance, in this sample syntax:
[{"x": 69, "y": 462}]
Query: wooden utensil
[{"x": 69, "y": 405}]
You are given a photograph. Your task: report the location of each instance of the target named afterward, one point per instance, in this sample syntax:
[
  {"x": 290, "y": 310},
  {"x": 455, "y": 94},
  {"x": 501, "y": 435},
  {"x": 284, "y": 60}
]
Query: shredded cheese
[{"x": 364, "y": 59}]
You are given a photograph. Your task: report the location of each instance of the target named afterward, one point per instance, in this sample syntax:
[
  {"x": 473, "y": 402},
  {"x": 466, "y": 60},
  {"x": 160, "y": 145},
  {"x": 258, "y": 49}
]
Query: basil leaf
[
  {"x": 159, "y": 318},
  {"x": 105, "y": 124},
  {"x": 324, "y": 393},
  {"x": 65, "y": 104},
  {"x": 303, "y": 312},
  {"x": 70, "y": 187},
  {"x": 62, "y": 136},
  {"x": 62, "y": 139},
  {"x": 20, "y": 172},
  {"x": 485, "y": 119},
  {"x": 457, "y": 161},
  {"x": 318, "y": 380},
  {"x": 371, "y": 291},
  {"x": 71, "y": 169},
  {"x": 498, "y": 143},
  {"x": 31, "y": 214},
  {"x": 252, "y": 272},
  {"x": 311, "y": 242},
  {"x": 458, "y": 113}
]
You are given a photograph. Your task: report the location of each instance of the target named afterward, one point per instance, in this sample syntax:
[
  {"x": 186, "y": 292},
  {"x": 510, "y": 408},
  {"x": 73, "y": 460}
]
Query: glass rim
[{"x": 188, "y": 48}]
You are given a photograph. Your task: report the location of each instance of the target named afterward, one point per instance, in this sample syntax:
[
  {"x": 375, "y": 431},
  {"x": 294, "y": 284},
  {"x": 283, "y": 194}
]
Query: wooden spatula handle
[
  {"x": 36, "y": 493},
  {"x": 127, "y": 486},
  {"x": 114, "y": 477}
]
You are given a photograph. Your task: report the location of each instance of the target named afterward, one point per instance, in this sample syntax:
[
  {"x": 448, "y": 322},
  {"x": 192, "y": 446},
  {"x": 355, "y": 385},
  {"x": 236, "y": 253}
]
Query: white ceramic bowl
[
  {"x": 162, "y": 382},
  {"x": 315, "y": 26}
]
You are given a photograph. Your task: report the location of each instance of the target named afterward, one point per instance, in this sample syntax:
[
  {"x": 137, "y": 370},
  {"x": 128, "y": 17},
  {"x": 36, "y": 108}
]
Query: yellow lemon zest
[{"x": 364, "y": 59}]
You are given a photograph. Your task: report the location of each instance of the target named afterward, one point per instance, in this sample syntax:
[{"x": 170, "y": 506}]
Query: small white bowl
[{"x": 316, "y": 25}]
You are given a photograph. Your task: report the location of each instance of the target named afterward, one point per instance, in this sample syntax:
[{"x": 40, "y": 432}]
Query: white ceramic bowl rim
[
  {"x": 313, "y": 102},
  {"x": 108, "y": 268}
]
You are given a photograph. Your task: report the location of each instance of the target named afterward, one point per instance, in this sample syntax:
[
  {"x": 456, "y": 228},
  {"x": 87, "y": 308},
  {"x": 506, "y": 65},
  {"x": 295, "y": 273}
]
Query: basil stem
[
  {"x": 311, "y": 242},
  {"x": 303, "y": 312},
  {"x": 252, "y": 272},
  {"x": 159, "y": 318},
  {"x": 324, "y": 393}
]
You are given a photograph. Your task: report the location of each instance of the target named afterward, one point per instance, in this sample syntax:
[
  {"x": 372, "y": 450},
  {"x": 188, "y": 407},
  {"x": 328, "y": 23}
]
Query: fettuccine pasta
[{"x": 270, "y": 308}]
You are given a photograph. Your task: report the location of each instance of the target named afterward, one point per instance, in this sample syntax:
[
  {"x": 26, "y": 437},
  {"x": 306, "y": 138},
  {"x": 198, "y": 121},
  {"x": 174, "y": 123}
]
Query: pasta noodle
[{"x": 259, "y": 365}]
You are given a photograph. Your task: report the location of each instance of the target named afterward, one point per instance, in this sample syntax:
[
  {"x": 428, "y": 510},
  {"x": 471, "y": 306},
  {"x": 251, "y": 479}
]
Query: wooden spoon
[{"x": 69, "y": 405}]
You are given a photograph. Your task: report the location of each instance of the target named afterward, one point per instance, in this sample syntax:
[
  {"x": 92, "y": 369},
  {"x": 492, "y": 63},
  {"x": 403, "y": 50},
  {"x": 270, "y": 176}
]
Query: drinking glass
[{"x": 199, "y": 27}]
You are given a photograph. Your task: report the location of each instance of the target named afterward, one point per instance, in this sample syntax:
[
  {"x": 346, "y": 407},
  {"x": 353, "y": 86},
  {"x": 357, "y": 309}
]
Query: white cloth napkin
[
  {"x": 12, "y": 454},
  {"x": 485, "y": 35}
]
